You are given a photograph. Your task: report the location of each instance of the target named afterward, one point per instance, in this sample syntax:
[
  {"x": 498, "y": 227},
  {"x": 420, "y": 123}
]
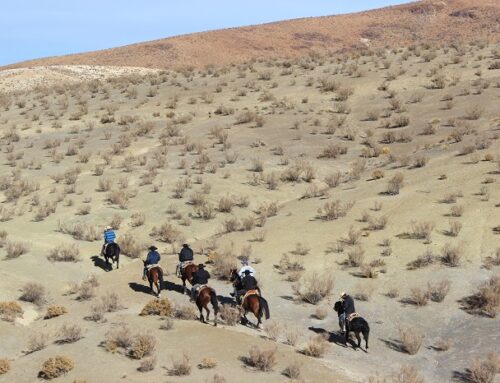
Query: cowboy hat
[
  {"x": 152, "y": 248},
  {"x": 343, "y": 294},
  {"x": 201, "y": 266},
  {"x": 108, "y": 228},
  {"x": 247, "y": 272}
]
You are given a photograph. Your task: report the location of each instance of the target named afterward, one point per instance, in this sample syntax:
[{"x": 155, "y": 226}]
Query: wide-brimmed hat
[
  {"x": 185, "y": 245},
  {"x": 247, "y": 272},
  {"x": 108, "y": 228},
  {"x": 152, "y": 248},
  {"x": 343, "y": 294},
  {"x": 201, "y": 266}
]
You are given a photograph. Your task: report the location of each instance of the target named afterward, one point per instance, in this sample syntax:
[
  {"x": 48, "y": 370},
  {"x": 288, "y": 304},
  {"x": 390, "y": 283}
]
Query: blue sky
[{"x": 39, "y": 28}]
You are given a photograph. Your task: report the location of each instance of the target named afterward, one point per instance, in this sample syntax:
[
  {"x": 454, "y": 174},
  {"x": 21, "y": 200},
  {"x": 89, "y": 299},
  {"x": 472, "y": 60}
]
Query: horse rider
[
  {"x": 109, "y": 237},
  {"x": 245, "y": 266},
  {"x": 153, "y": 258},
  {"x": 247, "y": 283},
  {"x": 347, "y": 307},
  {"x": 186, "y": 255},
  {"x": 200, "y": 278}
]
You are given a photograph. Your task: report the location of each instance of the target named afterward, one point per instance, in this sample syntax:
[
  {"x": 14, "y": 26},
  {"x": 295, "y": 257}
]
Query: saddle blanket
[
  {"x": 149, "y": 267},
  {"x": 352, "y": 316},
  {"x": 248, "y": 293},
  {"x": 184, "y": 264},
  {"x": 201, "y": 287}
]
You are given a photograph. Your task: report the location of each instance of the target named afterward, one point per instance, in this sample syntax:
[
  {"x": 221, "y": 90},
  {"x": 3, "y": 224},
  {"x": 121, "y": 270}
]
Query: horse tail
[
  {"x": 265, "y": 306},
  {"x": 213, "y": 299},
  {"x": 365, "y": 330}
]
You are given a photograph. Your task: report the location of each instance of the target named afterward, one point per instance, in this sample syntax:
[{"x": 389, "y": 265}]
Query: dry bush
[
  {"x": 162, "y": 307},
  {"x": 292, "y": 370},
  {"x": 230, "y": 315},
  {"x": 353, "y": 237},
  {"x": 320, "y": 313},
  {"x": 355, "y": 256},
  {"x": 368, "y": 271},
  {"x": 395, "y": 184},
  {"x": 314, "y": 288},
  {"x": 411, "y": 339},
  {"x": 421, "y": 230},
  {"x": 80, "y": 231},
  {"x": 56, "y": 367},
  {"x": 69, "y": 333},
  {"x": 224, "y": 262},
  {"x": 54, "y": 311},
  {"x": 443, "y": 345},
  {"x": 65, "y": 253},
  {"x": 263, "y": 360},
  {"x": 147, "y": 364},
  {"x": 4, "y": 366},
  {"x": 218, "y": 379},
  {"x": 85, "y": 291},
  {"x": 185, "y": 312},
  {"x": 119, "y": 198},
  {"x": 333, "y": 151},
  {"x": 438, "y": 291},
  {"x": 493, "y": 260},
  {"x": 110, "y": 302},
  {"x": 316, "y": 346},
  {"x": 273, "y": 330},
  {"x": 118, "y": 337},
  {"x": 130, "y": 247},
  {"x": 180, "y": 367},
  {"x": 207, "y": 363},
  {"x": 423, "y": 260},
  {"x": 378, "y": 223},
  {"x": 167, "y": 324},
  {"x": 166, "y": 233},
  {"x": 9, "y": 311},
  {"x": 36, "y": 342},
  {"x": 142, "y": 345},
  {"x": 486, "y": 300},
  {"x": 33, "y": 292},
  {"x": 419, "y": 297},
  {"x": 452, "y": 255},
  {"x": 334, "y": 179},
  {"x": 455, "y": 227},
  {"x": 484, "y": 370},
  {"x": 291, "y": 335},
  {"x": 15, "y": 249},
  {"x": 225, "y": 204},
  {"x": 407, "y": 374},
  {"x": 332, "y": 210},
  {"x": 363, "y": 293}
]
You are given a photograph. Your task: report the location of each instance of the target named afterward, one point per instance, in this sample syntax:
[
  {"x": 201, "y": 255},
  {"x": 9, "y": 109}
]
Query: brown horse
[
  {"x": 205, "y": 296},
  {"x": 253, "y": 303},
  {"x": 155, "y": 276},
  {"x": 187, "y": 275}
]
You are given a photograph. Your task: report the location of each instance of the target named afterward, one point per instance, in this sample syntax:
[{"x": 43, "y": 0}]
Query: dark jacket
[
  {"x": 249, "y": 283},
  {"x": 348, "y": 305},
  {"x": 201, "y": 277},
  {"x": 186, "y": 254},
  {"x": 153, "y": 258}
]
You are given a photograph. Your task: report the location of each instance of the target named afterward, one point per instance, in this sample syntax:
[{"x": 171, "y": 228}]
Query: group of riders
[{"x": 246, "y": 276}]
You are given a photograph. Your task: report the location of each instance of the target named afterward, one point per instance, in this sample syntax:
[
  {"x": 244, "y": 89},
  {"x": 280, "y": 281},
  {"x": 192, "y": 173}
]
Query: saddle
[
  {"x": 352, "y": 316},
  {"x": 151, "y": 267},
  {"x": 201, "y": 287},
  {"x": 248, "y": 293},
  {"x": 185, "y": 264}
]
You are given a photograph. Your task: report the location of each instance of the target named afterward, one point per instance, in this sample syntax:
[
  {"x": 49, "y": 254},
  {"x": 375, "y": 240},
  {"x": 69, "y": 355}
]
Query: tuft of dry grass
[
  {"x": 451, "y": 255},
  {"x": 55, "y": 367},
  {"x": 484, "y": 370},
  {"x": 486, "y": 300},
  {"x": 15, "y": 249},
  {"x": 419, "y": 297},
  {"x": 273, "y": 330},
  {"x": 262, "y": 360},
  {"x": 54, "y": 311},
  {"x": 4, "y": 366},
  {"x": 230, "y": 315},
  {"x": 180, "y": 367},
  {"x": 142, "y": 345},
  {"x": 411, "y": 339},
  {"x": 320, "y": 313},
  {"x": 36, "y": 342},
  {"x": 438, "y": 291},
  {"x": 161, "y": 307},
  {"x": 185, "y": 312},
  {"x": 147, "y": 364},
  {"x": 69, "y": 333},
  {"x": 314, "y": 288},
  {"x": 65, "y": 253},
  {"x": 316, "y": 346},
  {"x": 9, "y": 311},
  {"x": 34, "y": 293},
  {"x": 292, "y": 370},
  {"x": 207, "y": 363}
]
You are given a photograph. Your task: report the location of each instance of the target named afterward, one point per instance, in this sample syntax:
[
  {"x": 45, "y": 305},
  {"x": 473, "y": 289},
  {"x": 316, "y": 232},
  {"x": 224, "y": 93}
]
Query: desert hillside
[
  {"x": 373, "y": 172},
  {"x": 425, "y": 21}
]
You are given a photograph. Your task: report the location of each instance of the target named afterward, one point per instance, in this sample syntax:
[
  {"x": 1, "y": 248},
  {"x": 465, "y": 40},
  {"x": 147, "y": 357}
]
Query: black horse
[
  {"x": 112, "y": 252},
  {"x": 357, "y": 325}
]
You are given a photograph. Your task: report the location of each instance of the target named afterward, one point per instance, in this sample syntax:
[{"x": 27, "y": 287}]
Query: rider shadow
[
  {"x": 393, "y": 344},
  {"x": 140, "y": 288},
  {"x": 101, "y": 263},
  {"x": 226, "y": 300},
  {"x": 170, "y": 286}
]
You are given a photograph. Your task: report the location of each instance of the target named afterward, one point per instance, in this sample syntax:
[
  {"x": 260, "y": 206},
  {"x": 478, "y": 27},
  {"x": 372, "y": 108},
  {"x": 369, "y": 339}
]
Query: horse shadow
[
  {"x": 101, "y": 263},
  {"x": 333, "y": 337},
  {"x": 226, "y": 300},
  {"x": 140, "y": 288},
  {"x": 171, "y": 286}
]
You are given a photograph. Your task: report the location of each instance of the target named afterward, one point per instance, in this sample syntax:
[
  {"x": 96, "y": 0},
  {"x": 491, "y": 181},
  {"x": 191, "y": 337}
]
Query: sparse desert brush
[
  {"x": 207, "y": 363},
  {"x": 421, "y": 230},
  {"x": 420, "y": 161},
  {"x": 456, "y": 210},
  {"x": 79, "y": 231},
  {"x": 395, "y": 184},
  {"x": 130, "y": 247},
  {"x": 292, "y": 370},
  {"x": 142, "y": 345},
  {"x": 493, "y": 260},
  {"x": 316, "y": 346},
  {"x": 263, "y": 360},
  {"x": 69, "y": 333},
  {"x": 33, "y": 292},
  {"x": 411, "y": 339},
  {"x": 137, "y": 219},
  {"x": 484, "y": 370},
  {"x": 224, "y": 262},
  {"x": 230, "y": 224},
  {"x": 443, "y": 345},
  {"x": 162, "y": 307},
  {"x": 36, "y": 342},
  {"x": 167, "y": 324},
  {"x": 438, "y": 291},
  {"x": 4, "y": 366},
  {"x": 217, "y": 378},
  {"x": 334, "y": 179},
  {"x": 377, "y": 223},
  {"x": 119, "y": 198},
  {"x": 424, "y": 260},
  {"x": 9, "y": 311},
  {"x": 118, "y": 337},
  {"x": 181, "y": 367},
  {"x": 55, "y": 367},
  {"x": 333, "y": 151},
  {"x": 147, "y": 364},
  {"x": 54, "y": 311},
  {"x": 419, "y": 297},
  {"x": 85, "y": 291},
  {"x": 333, "y": 210},
  {"x": 455, "y": 227},
  {"x": 355, "y": 256},
  {"x": 320, "y": 313},
  {"x": 314, "y": 287},
  {"x": 166, "y": 233},
  {"x": 486, "y": 300},
  {"x": 353, "y": 236},
  {"x": 451, "y": 255},
  {"x": 368, "y": 271},
  {"x": 378, "y": 174},
  {"x": 15, "y": 249},
  {"x": 65, "y": 253},
  {"x": 230, "y": 314},
  {"x": 363, "y": 292},
  {"x": 301, "y": 249},
  {"x": 185, "y": 312},
  {"x": 473, "y": 113},
  {"x": 273, "y": 330}
]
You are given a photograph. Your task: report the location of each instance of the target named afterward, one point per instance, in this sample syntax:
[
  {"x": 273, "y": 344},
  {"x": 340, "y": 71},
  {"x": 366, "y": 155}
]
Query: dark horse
[
  {"x": 357, "y": 325},
  {"x": 155, "y": 276},
  {"x": 253, "y": 303},
  {"x": 112, "y": 252},
  {"x": 187, "y": 275},
  {"x": 205, "y": 296}
]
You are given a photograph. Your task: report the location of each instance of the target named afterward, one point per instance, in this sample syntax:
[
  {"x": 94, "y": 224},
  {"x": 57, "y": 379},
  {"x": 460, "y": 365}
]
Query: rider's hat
[
  {"x": 343, "y": 294},
  {"x": 185, "y": 245},
  {"x": 247, "y": 272},
  {"x": 152, "y": 248},
  {"x": 201, "y": 266},
  {"x": 108, "y": 228}
]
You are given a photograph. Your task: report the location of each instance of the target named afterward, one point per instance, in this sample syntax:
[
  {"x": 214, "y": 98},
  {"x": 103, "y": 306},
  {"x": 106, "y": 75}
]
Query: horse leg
[
  {"x": 358, "y": 338},
  {"x": 117, "y": 262},
  {"x": 202, "y": 319},
  {"x": 208, "y": 312},
  {"x": 184, "y": 285},
  {"x": 158, "y": 287}
]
